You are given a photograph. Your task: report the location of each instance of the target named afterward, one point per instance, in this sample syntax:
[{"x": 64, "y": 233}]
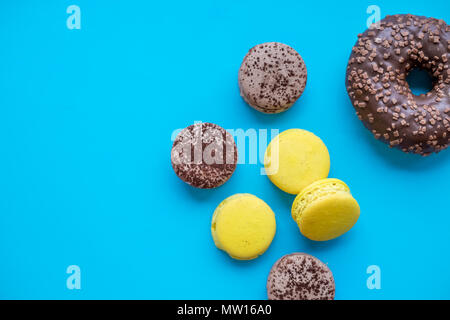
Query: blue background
[{"x": 86, "y": 118}]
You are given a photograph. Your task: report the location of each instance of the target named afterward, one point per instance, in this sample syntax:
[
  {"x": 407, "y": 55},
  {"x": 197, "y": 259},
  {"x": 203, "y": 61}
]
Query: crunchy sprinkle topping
[{"x": 380, "y": 93}]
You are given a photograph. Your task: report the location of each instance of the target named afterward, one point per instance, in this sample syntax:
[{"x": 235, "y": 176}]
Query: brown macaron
[
  {"x": 300, "y": 276},
  {"x": 204, "y": 155},
  {"x": 272, "y": 77}
]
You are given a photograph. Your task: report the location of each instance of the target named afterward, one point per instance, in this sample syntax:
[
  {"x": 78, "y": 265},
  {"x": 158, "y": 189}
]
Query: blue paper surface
[{"x": 86, "y": 118}]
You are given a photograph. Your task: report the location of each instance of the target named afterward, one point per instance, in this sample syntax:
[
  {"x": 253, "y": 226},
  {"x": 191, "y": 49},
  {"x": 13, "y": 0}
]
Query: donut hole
[{"x": 420, "y": 81}]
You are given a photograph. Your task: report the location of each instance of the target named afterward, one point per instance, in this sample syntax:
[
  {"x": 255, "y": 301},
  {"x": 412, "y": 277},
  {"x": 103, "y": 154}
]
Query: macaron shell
[
  {"x": 272, "y": 77},
  {"x": 243, "y": 226},
  {"x": 300, "y": 276},
  {"x": 329, "y": 217},
  {"x": 302, "y": 159},
  {"x": 204, "y": 155}
]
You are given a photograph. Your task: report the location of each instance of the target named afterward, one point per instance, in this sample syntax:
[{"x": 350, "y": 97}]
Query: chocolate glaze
[
  {"x": 376, "y": 82},
  {"x": 204, "y": 155},
  {"x": 299, "y": 276},
  {"x": 272, "y": 77}
]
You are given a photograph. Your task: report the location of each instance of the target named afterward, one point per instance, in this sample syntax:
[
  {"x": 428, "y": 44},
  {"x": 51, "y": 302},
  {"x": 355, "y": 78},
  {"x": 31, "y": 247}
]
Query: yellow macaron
[
  {"x": 296, "y": 158},
  {"x": 243, "y": 226},
  {"x": 325, "y": 210}
]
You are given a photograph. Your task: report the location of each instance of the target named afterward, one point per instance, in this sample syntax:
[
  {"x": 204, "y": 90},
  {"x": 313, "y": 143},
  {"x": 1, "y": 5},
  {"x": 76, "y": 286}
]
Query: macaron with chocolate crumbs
[
  {"x": 204, "y": 155},
  {"x": 272, "y": 77},
  {"x": 300, "y": 276}
]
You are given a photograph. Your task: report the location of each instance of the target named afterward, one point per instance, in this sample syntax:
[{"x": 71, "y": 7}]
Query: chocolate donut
[
  {"x": 376, "y": 82},
  {"x": 204, "y": 155},
  {"x": 272, "y": 77},
  {"x": 300, "y": 276}
]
